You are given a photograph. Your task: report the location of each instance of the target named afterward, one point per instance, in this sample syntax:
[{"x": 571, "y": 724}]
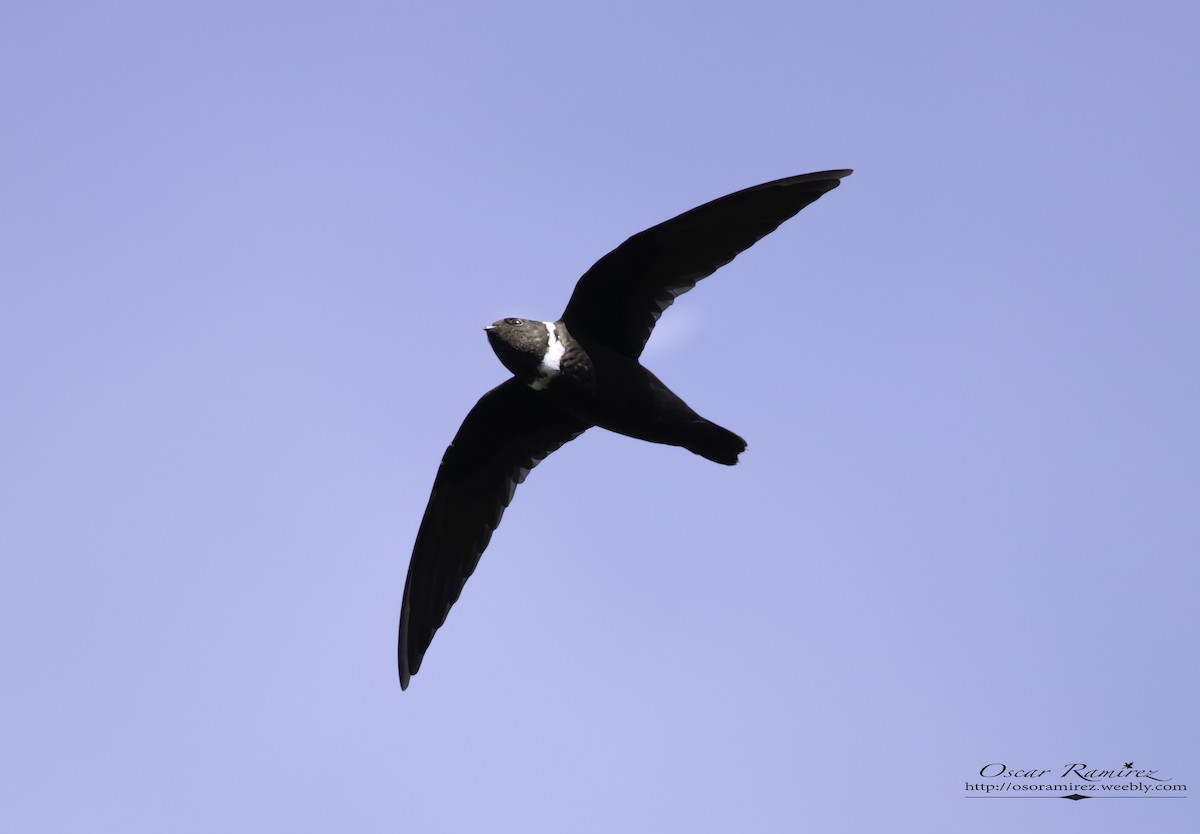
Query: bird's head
[{"x": 520, "y": 344}]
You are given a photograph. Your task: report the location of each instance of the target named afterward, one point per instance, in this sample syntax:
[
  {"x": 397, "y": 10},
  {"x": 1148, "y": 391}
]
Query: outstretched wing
[
  {"x": 620, "y": 298},
  {"x": 508, "y": 432}
]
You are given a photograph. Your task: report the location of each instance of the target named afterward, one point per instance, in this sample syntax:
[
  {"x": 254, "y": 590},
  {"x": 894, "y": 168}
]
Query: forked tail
[{"x": 715, "y": 443}]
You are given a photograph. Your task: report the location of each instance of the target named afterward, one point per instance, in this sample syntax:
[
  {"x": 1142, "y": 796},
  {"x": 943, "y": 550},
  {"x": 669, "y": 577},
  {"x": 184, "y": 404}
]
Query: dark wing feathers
[
  {"x": 508, "y": 432},
  {"x": 620, "y": 298}
]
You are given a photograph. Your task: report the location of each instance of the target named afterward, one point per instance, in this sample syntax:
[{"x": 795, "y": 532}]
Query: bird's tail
[{"x": 715, "y": 443}]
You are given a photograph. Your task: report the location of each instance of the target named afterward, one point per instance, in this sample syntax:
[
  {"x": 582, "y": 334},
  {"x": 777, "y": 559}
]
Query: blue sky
[{"x": 247, "y": 253}]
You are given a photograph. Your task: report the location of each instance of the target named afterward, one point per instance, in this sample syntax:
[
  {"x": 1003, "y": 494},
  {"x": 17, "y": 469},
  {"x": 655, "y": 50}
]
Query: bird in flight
[{"x": 575, "y": 373}]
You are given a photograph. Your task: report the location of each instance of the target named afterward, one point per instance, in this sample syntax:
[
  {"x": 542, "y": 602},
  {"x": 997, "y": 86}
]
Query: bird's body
[
  {"x": 580, "y": 371},
  {"x": 600, "y": 387}
]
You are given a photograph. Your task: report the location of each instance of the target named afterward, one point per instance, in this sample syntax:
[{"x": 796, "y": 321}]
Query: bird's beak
[{"x": 489, "y": 328}]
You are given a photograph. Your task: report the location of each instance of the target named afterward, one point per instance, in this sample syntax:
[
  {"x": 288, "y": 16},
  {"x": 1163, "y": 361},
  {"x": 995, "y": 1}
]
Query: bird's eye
[{"x": 514, "y": 322}]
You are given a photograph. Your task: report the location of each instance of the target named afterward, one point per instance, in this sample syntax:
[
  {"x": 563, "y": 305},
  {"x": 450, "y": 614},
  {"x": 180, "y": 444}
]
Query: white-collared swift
[{"x": 575, "y": 373}]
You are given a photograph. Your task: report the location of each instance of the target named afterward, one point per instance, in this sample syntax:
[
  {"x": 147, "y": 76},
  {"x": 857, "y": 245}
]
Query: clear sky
[{"x": 247, "y": 250}]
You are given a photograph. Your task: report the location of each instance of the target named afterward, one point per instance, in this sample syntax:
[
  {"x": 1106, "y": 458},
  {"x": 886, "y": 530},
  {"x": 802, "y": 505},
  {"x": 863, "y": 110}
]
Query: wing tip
[
  {"x": 833, "y": 177},
  {"x": 404, "y": 665},
  {"x": 404, "y": 668},
  {"x": 833, "y": 174},
  {"x": 402, "y": 661}
]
